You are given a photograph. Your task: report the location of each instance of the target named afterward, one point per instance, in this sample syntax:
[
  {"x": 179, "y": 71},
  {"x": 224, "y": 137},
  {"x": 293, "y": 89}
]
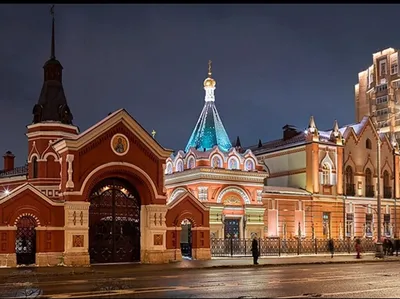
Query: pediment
[
  {"x": 187, "y": 197},
  {"x": 28, "y": 191},
  {"x": 119, "y": 118}
]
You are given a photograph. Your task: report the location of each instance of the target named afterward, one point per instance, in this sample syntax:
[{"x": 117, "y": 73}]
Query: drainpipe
[
  {"x": 394, "y": 193},
  {"x": 344, "y": 194}
]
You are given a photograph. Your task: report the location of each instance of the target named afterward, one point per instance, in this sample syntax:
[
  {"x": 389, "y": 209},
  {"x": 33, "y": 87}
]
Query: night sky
[{"x": 274, "y": 64}]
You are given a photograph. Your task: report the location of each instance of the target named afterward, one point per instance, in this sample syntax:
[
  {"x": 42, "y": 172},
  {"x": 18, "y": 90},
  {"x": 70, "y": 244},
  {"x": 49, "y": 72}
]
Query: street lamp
[{"x": 379, "y": 246}]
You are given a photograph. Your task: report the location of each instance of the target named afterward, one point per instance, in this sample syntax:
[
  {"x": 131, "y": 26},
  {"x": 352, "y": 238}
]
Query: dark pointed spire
[
  {"x": 259, "y": 143},
  {"x": 52, "y": 104},
  {"x": 53, "y": 43},
  {"x": 238, "y": 144}
]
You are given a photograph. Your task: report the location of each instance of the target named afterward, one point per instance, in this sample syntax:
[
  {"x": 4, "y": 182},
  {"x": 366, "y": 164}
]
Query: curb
[{"x": 299, "y": 263}]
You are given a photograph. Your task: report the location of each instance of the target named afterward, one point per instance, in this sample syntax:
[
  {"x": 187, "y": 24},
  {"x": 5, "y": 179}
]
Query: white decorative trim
[
  {"x": 176, "y": 193},
  {"x": 97, "y": 169},
  {"x": 182, "y": 196},
  {"x": 119, "y": 116},
  {"x": 122, "y": 136},
  {"x": 169, "y": 168},
  {"x": 70, "y": 182},
  {"x": 234, "y": 189},
  {"x": 24, "y": 187},
  {"x": 180, "y": 161},
  {"x": 50, "y": 133},
  {"x": 34, "y": 155},
  {"x": 50, "y": 228},
  {"x": 53, "y": 124},
  {"x": 29, "y": 215},
  {"x": 50, "y": 154},
  {"x": 191, "y": 158},
  {"x": 61, "y": 171}
]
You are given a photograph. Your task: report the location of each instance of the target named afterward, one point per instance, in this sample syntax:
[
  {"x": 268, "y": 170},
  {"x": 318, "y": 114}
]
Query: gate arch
[
  {"x": 114, "y": 222},
  {"x": 25, "y": 240}
]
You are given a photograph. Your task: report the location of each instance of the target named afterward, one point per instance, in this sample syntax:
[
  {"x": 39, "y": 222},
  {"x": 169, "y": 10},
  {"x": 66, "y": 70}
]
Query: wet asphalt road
[{"x": 369, "y": 280}]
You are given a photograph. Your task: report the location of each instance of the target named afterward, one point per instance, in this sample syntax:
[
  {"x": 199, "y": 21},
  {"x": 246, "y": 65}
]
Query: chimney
[
  {"x": 8, "y": 161},
  {"x": 289, "y": 132}
]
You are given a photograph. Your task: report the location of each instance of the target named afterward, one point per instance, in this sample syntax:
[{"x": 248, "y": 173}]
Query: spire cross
[
  {"x": 53, "y": 46},
  {"x": 153, "y": 133},
  {"x": 209, "y": 67}
]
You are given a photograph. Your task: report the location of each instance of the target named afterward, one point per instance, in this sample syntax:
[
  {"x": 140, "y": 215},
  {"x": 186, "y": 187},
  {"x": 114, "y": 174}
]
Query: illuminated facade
[
  {"x": 96, "y": 196},
  {"x": 226, "y": 179},
  {"x": 377, "y": 92},
  {"x": 323, "y": 184}
]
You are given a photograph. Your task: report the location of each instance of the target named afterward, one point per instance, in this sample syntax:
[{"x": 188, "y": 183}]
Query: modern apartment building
[{"x": 377, "y": 92}]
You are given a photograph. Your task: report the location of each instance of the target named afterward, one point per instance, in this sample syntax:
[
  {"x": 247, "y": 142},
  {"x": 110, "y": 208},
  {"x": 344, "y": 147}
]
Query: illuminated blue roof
[{"x": 209, "y": 130}]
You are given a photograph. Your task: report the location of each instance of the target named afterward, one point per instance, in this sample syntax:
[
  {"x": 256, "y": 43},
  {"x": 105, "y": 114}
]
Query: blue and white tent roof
[{"x": 209, "y": 130}]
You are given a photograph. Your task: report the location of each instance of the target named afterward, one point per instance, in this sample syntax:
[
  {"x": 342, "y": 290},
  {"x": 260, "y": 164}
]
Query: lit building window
[
  {"x": 216, "y": 162},
  {"x": 179, "y": 166},
  {"x": 326, "y": 174}
]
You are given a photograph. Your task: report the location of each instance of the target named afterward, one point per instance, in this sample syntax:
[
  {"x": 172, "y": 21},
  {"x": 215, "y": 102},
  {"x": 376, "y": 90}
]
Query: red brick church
[{"x": 91, "y": 197}]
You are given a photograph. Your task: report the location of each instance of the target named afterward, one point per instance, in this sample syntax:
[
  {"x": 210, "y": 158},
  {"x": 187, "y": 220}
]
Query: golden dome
[{"x": 209, "y": 82}]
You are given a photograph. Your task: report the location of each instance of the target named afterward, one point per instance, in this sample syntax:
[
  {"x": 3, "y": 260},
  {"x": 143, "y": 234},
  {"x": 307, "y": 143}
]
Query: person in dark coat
[
  {"x": 358, "y": 248},
  {"x": 254, "y": 250},
  {"x": 331, "y": 247},
  {"x": 397, "y": 246}
]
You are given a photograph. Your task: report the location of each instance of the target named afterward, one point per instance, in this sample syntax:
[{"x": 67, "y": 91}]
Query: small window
[
  {"x": 179, "y": 166},
  {"x": 34, "y": 167},
  {"x": 368, "y": 144},
  {"x": 382, "y": 67},
  {"x": 190, "y": 163},
  {"x": 169, "y": 169},
  {"x": 326, "y": 174}
]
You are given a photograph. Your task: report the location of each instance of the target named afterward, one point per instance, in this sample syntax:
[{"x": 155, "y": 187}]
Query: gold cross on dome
[{"x": 153, "y": 133}]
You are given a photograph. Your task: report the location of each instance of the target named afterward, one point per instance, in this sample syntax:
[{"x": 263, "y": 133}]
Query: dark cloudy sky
[{"x": 274, "y": 64}]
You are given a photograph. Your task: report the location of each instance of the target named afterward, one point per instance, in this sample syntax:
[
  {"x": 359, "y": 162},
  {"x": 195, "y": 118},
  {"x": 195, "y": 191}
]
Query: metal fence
[{"x": 278, "y": 246}]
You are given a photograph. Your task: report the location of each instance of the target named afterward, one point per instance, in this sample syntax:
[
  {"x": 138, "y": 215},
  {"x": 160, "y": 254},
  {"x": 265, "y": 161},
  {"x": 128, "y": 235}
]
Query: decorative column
[
  {"x": 153, "y": 234},
  {"x": 76, "y": 234}
]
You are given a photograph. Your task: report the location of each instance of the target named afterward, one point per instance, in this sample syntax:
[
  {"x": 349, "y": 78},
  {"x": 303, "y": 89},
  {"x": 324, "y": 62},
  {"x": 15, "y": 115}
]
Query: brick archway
[{"x": 135, "y": 178}]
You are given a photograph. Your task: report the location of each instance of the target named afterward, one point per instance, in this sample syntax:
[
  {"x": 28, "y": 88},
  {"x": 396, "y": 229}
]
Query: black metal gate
[
  {"x": 25, "y": 242},
  {"x": 114, "y": 222}
]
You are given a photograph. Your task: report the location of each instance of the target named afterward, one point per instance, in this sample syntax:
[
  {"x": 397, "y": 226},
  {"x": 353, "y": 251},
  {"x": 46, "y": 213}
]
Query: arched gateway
[{"x": 114, "y": 222}]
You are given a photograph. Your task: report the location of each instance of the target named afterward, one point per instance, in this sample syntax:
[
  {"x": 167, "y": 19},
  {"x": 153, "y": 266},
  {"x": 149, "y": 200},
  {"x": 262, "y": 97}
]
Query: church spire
[
  {"x": 53, "y": 43},
  {"x": 52, "y": 104},
  {"x": 209, "y": 130},
  {"x": 209, "y": 85}
]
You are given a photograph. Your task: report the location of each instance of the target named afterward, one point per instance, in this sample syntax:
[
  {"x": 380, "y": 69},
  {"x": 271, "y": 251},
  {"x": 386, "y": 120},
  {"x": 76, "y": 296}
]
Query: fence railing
[{"x": 278, "y": 246}]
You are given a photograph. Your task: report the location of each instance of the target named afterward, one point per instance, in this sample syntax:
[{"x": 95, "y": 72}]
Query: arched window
[
  {"x": 368, "y": 144},
  {"x": 233, "y": 164},
  {"x": 179, "y": 166},
  {"x": 169, "y": 169},
  {"x": 326, "y": 174},
  {"x": 190, "y": 163},
  {"x": 216, "y": 162},
  {"x": 249, "y": 165},
  {"x": 369, "y": 188},
  {"x": 387, "y": 190},
  {"x": 350, "y": 190},
  {"x": 34, "y": 167}
]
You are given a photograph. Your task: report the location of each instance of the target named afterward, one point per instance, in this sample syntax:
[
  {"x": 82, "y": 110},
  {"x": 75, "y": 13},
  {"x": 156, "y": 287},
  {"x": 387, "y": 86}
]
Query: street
[{"x": 366, "y": 280}]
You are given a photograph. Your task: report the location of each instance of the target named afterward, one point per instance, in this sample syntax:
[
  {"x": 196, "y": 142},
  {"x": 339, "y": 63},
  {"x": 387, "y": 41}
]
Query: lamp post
[{"x": 379, "y": 246}]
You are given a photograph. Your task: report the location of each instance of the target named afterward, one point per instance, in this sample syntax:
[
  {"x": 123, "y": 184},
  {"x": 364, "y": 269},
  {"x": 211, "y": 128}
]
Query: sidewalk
[{"x": 236, "y": 262}]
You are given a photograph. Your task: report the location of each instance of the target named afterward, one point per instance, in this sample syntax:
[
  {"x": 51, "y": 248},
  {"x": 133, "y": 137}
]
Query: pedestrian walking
[
  {"x": 331, "y": 246},
  {"x": 358, "y": 248},
  {"x": 254, "y": 250}
]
